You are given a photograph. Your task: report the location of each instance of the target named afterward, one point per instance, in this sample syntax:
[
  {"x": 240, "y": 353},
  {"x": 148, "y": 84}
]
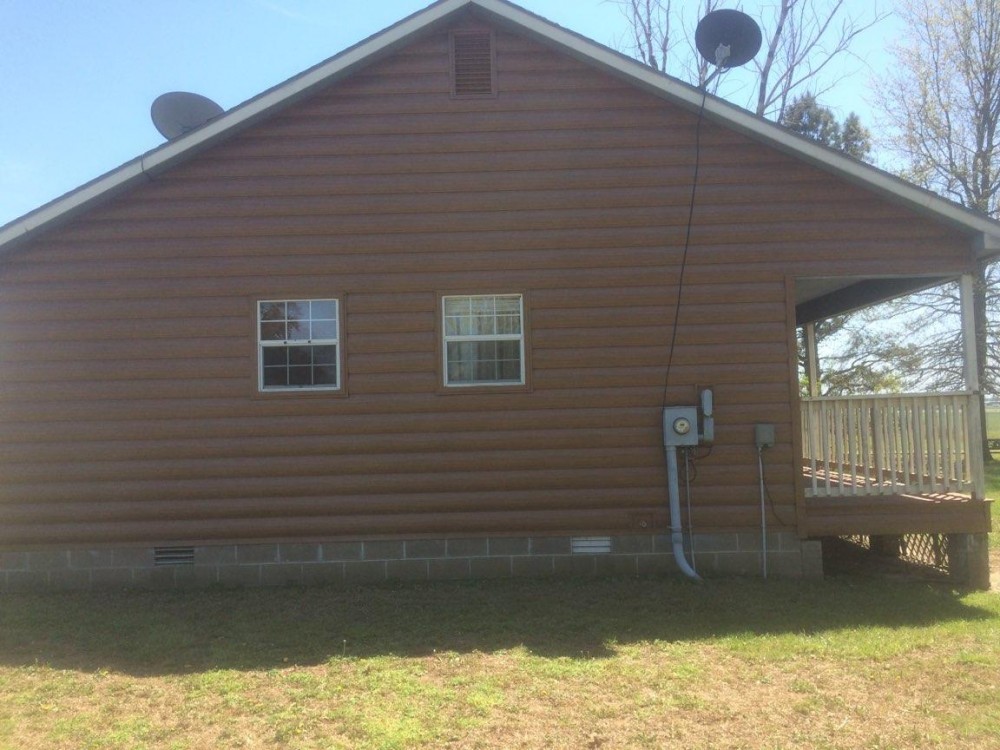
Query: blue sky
[{"x": 77, "y": 76}]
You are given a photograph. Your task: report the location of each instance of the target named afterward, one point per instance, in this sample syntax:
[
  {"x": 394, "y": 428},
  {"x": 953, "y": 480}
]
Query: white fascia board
[
  {"x": 986, "y": 231},
  {"x": 72, "y": 202}
]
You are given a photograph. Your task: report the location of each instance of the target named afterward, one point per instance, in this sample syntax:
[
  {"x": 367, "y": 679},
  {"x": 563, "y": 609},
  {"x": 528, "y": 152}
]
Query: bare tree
[
  {"x": 655, "y": 29},
  {"x": 942, "y": 101},
  {"x": 801, "y": 39},
  {"x": 649, "y": 24}
]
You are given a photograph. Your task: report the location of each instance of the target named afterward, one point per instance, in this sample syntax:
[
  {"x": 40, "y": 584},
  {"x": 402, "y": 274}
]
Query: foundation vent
[
  {"x": 472, "y": 63},
  {"x": 173, "y": 556},
  {"x": 590, "y": 545}
]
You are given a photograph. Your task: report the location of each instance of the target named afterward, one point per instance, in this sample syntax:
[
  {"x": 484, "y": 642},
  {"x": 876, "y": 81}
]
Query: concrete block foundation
[{"x": 359, "y": 562}]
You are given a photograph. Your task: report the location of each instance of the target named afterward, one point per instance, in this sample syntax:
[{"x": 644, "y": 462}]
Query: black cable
[{"x": 687, "y": 241}]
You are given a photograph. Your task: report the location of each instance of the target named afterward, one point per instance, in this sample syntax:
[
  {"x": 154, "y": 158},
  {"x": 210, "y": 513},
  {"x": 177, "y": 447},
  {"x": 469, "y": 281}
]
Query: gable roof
[{"x": 984, "y": 232}]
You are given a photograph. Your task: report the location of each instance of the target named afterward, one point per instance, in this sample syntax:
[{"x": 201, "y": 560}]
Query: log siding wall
[{"x": 128, "y": 374}]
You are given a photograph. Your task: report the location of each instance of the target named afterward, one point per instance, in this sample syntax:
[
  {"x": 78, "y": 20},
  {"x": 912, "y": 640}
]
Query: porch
[{"x": 892, "y": 465}]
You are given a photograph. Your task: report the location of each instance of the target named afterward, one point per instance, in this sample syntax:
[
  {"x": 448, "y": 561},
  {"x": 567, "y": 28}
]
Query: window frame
[
  {"x": 338, "y": 342},
  {"x": 444, "y": 339}
]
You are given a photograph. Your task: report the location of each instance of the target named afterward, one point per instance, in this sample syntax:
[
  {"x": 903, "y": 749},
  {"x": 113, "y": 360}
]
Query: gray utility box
[{"x": 680, "y": 426}]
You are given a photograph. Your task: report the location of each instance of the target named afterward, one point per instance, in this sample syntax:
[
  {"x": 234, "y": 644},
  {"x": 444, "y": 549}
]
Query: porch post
[
  {"x": 971, "y": 372},
  {"x": 812, "y": 360}
]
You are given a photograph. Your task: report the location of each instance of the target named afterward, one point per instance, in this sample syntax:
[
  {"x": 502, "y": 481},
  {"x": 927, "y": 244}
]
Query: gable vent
[
  {"x": 472, "y": 63},
  {"x": 173, "y": 556}
]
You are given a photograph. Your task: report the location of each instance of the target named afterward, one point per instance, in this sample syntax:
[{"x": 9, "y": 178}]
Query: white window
[
  {"x": 299, "y": 344},
  {"x": 483, "y": 339}
]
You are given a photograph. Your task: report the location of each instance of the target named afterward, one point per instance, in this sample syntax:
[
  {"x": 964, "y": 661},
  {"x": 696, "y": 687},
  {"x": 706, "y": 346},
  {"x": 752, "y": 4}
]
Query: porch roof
[{"x": 822, "y": 298}]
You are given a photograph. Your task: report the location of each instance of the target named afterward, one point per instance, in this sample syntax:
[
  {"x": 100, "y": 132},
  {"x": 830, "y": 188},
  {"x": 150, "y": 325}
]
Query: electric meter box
[{"x": 680, "y": 426}]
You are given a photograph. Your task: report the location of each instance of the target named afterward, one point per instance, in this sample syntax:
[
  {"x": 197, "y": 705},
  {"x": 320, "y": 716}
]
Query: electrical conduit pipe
[{"x": 676, "y": 529}]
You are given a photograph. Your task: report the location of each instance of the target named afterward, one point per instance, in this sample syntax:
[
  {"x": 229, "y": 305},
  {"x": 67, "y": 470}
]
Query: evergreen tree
[{"x": 806, "y": 116}]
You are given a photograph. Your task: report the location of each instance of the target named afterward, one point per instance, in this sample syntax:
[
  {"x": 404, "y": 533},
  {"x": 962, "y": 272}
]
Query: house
[{"x": 416, "y": 313}]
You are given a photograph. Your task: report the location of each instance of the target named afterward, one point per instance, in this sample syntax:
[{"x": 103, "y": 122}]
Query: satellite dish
[
  {"x": 727, "y": 38},
  {"x": 178, "y": 112}
]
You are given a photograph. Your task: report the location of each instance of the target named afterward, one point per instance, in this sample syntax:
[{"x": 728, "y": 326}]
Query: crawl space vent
[
  {"x": 173, "y": 556},
  {"x": 590, "y": 545},
  {"x": 472, "y": 63}
]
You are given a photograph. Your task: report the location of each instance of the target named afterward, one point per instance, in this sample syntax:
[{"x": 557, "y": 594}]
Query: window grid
[
  {"x": 299, "y": 344},
  {"x": 483, "y": 340}
]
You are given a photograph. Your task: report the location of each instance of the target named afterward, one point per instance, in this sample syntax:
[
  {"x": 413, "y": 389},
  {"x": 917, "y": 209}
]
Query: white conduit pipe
[
  {"x": 763, "y": 512},
  {"x": 676, "y": 529}
]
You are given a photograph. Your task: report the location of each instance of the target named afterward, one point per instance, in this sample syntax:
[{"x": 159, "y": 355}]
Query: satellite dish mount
[{"x": 727, "y": 39}]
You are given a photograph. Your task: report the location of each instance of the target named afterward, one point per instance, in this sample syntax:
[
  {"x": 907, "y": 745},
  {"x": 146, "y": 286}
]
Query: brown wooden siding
[{"x": 128, "y": 360}]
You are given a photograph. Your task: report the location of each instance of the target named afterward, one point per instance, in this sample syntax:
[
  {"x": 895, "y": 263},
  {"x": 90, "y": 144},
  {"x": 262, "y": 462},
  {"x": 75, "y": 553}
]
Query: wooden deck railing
[{"x": 888, "y": 445}]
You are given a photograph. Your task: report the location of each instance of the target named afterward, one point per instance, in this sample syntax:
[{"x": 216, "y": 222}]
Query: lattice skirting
[{"x": 929, "y": 550}]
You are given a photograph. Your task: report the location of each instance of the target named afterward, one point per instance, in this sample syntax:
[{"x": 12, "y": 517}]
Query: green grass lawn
[
  {"x": 628, "y": 663},
  {"x": 992, "y": 422}
]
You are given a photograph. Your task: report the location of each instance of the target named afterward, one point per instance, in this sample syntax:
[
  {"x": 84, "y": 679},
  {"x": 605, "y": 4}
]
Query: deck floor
[{"x": 867, "y": 511}]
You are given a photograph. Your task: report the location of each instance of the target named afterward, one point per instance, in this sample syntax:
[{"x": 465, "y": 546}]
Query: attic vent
[
  {"x": 173, "y": 556},
  {"x": 590, "y": 545},
  {"x": 472, "y": 63}
]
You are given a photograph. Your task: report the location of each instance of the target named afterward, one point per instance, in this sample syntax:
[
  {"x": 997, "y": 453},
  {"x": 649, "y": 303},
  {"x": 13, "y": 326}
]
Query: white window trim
[
  {"x": 262, "y": 344},
  {"x": 446, "y": 339}
]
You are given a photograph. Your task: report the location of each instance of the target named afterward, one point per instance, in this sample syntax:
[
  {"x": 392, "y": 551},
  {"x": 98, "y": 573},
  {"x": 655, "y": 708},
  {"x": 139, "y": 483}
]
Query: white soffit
[{"x": 985, "y": 230}]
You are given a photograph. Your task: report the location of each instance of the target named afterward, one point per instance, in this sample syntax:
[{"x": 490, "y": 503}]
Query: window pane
[
  {"x": 509, "y": 324},
  {"x": 461, "y": 357},
  {"x": 482, "y": 305},
  {"x": 300, "y": 375},
  {"x": 457, "y": 305},
  {"x": 272, "y": 331},
  {"x": 298, "y": 330},
  {"x": 460, "y": 372},
  {"x": 275, "y": 377},
  {"x": 300, "y": 355},
  {"x": 508, "y": 304},
  {"x": 298, "y": 310},
  {"x": 324, "y": 355},
  {"x": 324, "y": 329},
  {"x": 324, "y": 309},
  {"x": 325, "y": 375},
  {"x": 272, "y": 310},
  {"x": 486, "y": 371},
  {"x": 509, "y": 369},
  {"x": 483, "y": 325},
  {"x": 509, "y": 350},
  {"x": 509, "y": 360},
  {"x": 275, "y": 356}
]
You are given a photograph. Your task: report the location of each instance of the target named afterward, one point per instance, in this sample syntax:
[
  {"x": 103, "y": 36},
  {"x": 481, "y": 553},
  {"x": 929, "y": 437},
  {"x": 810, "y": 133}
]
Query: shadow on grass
[{"x": 152, "y": 633}]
